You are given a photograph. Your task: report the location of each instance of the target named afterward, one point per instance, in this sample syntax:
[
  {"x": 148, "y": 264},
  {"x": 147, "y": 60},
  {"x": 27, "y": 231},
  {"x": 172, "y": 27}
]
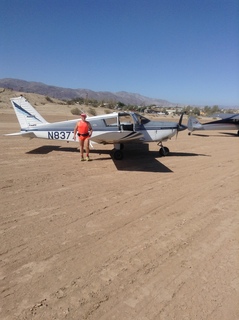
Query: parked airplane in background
[
  {"x": 229, "y": 121},
  {"x": 115, "y": 128}
]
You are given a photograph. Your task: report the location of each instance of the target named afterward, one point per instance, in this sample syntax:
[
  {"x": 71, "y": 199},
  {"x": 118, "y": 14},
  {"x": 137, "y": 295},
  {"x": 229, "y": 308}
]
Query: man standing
[{"x": 84, "y": 130}]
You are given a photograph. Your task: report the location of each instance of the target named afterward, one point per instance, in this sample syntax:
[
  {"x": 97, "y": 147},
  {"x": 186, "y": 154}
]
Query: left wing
[{"x": 226, "y": 116}]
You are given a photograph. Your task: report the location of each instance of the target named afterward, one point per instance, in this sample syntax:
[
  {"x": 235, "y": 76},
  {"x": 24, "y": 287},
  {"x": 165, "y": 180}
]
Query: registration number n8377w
[{"x": 62, "y": 135}]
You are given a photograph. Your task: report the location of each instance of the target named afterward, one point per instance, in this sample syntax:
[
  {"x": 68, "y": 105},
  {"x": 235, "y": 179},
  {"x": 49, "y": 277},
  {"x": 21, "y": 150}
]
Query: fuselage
[
  {"x": 221, "y": 125},
  {"x": 113, "y": 128},
  {"x": 230, "y": 123}
]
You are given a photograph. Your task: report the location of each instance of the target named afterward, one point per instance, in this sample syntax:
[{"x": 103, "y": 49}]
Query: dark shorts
[{"x": 83, "y": 136}]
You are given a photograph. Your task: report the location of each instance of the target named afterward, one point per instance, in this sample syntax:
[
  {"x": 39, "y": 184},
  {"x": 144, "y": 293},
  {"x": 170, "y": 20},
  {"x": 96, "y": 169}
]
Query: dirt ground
[{"x": 145, "y": 238}]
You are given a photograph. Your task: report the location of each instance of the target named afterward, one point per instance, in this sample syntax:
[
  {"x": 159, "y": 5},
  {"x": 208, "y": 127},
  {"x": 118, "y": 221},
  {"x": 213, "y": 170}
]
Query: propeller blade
[{"x": 180, "y": 126}]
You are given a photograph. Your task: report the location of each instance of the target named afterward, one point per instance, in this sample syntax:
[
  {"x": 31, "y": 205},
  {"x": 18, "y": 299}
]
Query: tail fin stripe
[
  {"x": 25, "y": 112},
  {"x": 28, "y": 116}
]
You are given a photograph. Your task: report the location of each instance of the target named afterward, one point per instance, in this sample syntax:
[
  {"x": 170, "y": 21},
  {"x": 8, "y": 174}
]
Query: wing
[
  {"x": 236, "y": 116},
  {"x": 226, "y": 115},
  {"x": 116, "y": 137}
]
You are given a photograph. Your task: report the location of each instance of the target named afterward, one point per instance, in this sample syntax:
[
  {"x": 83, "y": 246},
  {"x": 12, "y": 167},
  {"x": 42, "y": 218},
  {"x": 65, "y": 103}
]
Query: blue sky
[{"x": 182, "y": 51}]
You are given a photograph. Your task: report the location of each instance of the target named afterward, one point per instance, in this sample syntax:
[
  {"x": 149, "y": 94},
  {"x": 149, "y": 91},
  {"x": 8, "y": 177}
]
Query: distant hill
[{"x": 68, "y": 94}]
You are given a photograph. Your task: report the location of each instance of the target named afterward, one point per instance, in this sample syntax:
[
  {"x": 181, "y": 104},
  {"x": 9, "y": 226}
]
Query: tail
[
  {"x": 194, "y": 124},
  {"x": 27, "y": 116}
]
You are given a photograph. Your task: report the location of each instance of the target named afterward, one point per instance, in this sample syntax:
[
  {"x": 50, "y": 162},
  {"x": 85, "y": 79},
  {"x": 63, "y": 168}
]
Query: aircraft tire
[
  {"x": 118, "y": 155},
  {"x": 163, "y": 152}
]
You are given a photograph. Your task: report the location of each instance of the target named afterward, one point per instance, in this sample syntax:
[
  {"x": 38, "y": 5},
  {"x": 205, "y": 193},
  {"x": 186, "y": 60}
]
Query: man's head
[{"x": 83, "y": 116}]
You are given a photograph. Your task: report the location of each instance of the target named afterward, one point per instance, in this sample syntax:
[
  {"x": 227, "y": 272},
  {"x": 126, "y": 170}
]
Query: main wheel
[
  {"x": 118, "y": 155},
  {"x": 163, "y": 152}
]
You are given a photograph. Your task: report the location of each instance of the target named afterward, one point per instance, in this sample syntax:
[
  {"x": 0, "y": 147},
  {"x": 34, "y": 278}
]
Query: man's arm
[
  {"x": 90, "y": 129},
  {"x": 76, "y": 126}
]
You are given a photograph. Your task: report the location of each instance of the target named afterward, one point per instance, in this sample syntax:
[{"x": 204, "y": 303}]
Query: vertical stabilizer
[
  {"x": 27, "y": 116},
  {"x": 194, "y": 124}
]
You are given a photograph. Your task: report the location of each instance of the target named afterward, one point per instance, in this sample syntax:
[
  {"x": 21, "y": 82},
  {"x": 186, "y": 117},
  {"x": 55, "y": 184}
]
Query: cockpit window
[
  {"x": 111, "y": 122},
  {"x": 141, "y": 119},
  {"x": 125, "y": 119}
]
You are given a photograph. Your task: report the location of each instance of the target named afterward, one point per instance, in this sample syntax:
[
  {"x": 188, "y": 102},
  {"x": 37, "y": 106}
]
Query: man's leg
[
  {"x": 87, "y": 148},
  {"x": 81, "y": 148}
]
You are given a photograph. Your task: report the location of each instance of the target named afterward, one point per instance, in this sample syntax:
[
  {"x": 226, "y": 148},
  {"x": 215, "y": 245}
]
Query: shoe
[
  {"x": 87, "y": 159},
  {"x": 82, "y": 159}
]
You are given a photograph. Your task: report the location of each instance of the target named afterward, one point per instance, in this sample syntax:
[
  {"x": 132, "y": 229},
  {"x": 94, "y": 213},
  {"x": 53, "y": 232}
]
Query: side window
[
  {"x": 111, "y": 122},
  {"x": 126, "y": 122},
  {"x": 126, "y": 119}
]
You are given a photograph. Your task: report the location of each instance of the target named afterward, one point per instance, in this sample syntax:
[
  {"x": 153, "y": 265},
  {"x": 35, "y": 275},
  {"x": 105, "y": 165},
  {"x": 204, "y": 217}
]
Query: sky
[{"x": 185, "y": 51}]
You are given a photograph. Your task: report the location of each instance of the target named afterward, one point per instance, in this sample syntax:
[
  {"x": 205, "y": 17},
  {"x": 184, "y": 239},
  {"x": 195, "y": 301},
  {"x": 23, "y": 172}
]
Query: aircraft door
[{"x": 126, "y": 122}]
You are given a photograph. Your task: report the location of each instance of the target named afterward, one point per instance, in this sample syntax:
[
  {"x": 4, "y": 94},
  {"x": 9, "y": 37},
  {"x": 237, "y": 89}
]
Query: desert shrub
[
  {"x": 49, "y": 99},
  {"x": 92, "y": 111},
  {"x": 75, "y": 111}
]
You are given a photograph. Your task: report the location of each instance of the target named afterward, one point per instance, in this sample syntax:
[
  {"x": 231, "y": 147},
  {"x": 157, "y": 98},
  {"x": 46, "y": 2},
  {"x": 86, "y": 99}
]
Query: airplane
[
  {"x": 229, "y": 121},
  {"x": 116, "y": 128}
]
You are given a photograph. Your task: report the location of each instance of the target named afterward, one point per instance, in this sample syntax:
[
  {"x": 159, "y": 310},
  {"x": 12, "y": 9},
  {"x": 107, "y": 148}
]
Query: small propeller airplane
[
  {"x": 229, "y": 121},
  {"x": 116, "y": 128}
]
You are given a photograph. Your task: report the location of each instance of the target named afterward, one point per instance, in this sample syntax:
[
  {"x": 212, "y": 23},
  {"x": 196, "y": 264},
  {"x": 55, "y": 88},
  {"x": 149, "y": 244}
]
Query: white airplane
[
  {"x": 116, "y": 128},
  {"x": 229, "y": 121}
]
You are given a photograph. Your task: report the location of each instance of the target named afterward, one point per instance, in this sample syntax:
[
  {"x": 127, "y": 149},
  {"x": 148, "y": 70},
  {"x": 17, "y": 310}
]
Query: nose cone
[{"x": 182, "y": 127}]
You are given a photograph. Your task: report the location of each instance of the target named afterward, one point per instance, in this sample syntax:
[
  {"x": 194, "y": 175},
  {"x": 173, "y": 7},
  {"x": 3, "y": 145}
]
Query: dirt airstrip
[{"x": 145, "y": 238}]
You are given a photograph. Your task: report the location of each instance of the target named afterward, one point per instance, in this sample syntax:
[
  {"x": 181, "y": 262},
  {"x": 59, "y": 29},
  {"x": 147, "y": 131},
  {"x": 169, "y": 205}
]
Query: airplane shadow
[
  {"x": 135, "y": 159},
  {"x": 187, "y": 154},
  {"x": 146, "y": 161},
  {"x": 199, "y": 135},
  {"x": 222, "y": 134},
  {"x": 230, "y": 134},
  {"x": 48, "y": 149},
  {"x": 140, "y": 162}
]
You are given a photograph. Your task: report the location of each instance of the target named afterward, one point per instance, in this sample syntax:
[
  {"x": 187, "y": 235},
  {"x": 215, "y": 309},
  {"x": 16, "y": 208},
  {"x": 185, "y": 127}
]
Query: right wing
[{"x": 116, "y": 137}]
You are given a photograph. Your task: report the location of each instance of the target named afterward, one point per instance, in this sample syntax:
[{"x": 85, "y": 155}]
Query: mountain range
[{"x": 68, "y": 94}]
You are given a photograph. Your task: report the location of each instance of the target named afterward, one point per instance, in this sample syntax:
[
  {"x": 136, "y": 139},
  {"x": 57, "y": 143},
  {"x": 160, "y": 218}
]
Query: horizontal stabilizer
[{"x": 23, "y": 134}]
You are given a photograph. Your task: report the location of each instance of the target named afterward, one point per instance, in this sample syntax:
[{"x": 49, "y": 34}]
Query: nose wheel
[{"x": 163, "y": 151}]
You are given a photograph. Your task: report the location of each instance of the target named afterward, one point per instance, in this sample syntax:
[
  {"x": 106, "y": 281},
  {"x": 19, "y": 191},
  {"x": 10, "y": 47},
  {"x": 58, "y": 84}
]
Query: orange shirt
[{"x": 82, "y": 127}]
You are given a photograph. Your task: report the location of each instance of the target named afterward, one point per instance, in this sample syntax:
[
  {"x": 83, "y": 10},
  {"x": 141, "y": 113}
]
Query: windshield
[{"x": 141, "y": 119}]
